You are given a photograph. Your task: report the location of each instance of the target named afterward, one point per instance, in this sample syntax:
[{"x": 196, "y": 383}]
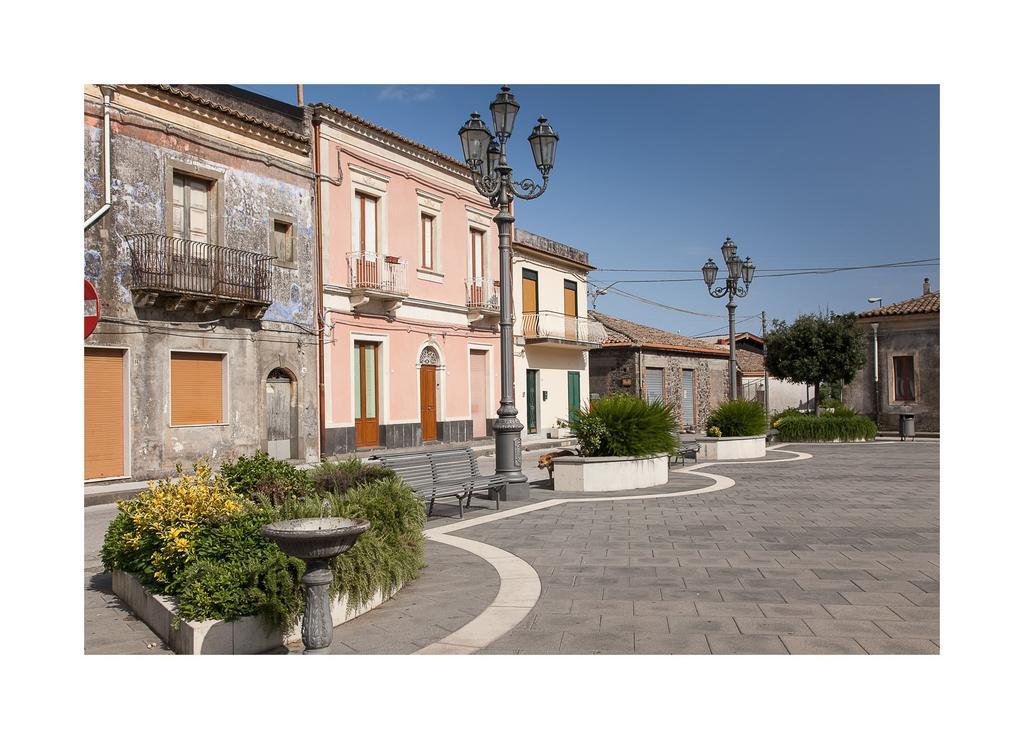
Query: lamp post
[
  {"x": 736, "y": 269},
  {"x": 878, "y": 398},
  {"x": 492, "y": 176}
]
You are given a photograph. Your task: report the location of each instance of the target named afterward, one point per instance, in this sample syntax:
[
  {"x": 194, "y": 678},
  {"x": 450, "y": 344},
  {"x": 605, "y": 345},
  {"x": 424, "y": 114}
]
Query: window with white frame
[{"x": 428, "y": 253}]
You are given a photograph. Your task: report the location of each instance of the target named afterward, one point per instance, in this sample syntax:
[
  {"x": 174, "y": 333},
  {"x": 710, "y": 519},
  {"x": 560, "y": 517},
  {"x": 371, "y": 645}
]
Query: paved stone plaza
[{"x": 834, "y": 554}]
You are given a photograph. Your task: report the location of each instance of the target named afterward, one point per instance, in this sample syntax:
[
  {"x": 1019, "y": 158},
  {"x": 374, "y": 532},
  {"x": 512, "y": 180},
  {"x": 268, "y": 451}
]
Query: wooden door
[
  {"x": 367, "y": 403},
  {"x": 478, "y": 392},
  {"x": 569, "y": 300},
  {"x": 531, "y": 401},
  {"x": 282, "y": 431},
  {"x": 574, "y": 395},
  {"x": 428, "y": 402},
  {"x": 104, "y": 413}
]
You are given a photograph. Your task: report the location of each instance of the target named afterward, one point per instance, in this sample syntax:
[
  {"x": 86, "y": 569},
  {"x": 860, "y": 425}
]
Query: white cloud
[{"x": 406, "y": 94}]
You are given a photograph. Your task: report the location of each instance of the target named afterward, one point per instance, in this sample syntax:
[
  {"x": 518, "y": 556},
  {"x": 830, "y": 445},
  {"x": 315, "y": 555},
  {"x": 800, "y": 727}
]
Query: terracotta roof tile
[
  {"x": 202, "y": 100},
  {"x": 621, "y": 331},
  {"x": 924, "y": 304}
]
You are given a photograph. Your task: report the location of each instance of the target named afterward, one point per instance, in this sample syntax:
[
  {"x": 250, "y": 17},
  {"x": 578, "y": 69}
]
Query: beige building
[{"x": 552, "y": 331}]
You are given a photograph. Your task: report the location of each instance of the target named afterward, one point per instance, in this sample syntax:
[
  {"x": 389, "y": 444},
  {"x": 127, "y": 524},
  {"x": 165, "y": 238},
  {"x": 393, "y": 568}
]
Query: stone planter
[
  {"x": 247, "y": 635},
  {"x": 602, "y": 474},
  {"x": 718, "y": 448}
]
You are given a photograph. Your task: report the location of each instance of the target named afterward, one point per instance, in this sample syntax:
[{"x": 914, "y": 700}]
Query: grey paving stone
[
  {"x": 700, "y": 625},
  {"x": 671, "y": 644},
  {"x": 771, "y": 626},
  {"x": 603, "y": 642},
  {"x": 898, "y": 646},
  {"x": 795, "y": 610},
  {"x": 755, "y": 644},
  {"x": 592, "y": 607},
  {"x": 729, "y": 609},
  {"x": 635, "y": 624},
  {"x": 842, "y": 627},
  {"x": 910, "y": 629},
  {"x": 860, "y": 598},
  {"x": 917, "y": 613},
  {"x": 664, "y": 608},
  {"x": 868, "y": 613},
  {"x": 822, "y": 645}
]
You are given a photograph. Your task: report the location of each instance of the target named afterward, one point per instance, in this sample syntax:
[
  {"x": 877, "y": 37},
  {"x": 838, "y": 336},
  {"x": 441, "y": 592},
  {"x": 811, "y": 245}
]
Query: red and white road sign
[{"x": 92, "y": 308}]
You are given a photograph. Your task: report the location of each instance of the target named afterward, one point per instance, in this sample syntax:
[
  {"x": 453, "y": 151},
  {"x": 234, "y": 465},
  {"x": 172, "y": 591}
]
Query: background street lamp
[
  {"x": 492, "y": 176},
  {"x": 736, "y": 269},
  {"x": 878, "y": 398}
]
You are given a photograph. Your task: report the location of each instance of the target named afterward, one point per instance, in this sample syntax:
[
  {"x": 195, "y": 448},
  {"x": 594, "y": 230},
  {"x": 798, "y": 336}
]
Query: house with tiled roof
[
  {"x": 690, "y": 374},
  {"x": 750, "y": 377},
  {"x": 902, "y": 372}
]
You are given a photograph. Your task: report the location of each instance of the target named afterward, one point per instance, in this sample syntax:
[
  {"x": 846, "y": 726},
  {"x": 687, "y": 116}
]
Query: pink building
[{"x": 410, "y": 263}]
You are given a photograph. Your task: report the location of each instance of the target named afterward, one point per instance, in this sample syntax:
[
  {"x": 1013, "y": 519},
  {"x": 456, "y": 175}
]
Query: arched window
[{"x": 429, "y": 355}]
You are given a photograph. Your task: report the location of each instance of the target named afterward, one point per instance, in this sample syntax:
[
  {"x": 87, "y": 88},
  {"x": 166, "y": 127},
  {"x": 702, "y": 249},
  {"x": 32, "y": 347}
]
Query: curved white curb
[{"x": 520, "y": 586}]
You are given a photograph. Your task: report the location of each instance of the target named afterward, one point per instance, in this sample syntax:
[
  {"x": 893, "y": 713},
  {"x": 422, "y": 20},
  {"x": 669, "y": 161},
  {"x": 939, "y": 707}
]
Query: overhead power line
[{"x": 779, "y": 271}]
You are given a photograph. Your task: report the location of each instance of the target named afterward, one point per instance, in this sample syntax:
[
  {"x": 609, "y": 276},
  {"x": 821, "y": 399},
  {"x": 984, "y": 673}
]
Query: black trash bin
[{"x": 906, "y": 426}]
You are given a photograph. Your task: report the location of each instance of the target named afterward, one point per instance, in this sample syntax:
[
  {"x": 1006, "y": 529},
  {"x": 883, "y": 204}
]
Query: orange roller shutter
[
  {"x": 197, "y": 389},
  {"x": 104, "y": 413}
]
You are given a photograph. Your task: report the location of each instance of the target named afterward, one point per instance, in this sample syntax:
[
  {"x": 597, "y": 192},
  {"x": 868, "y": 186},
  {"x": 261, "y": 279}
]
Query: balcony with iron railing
[
  {"x": 374, "y": 276},
  {"x": 194, "y": 275},
  {"x": 558, "y": 329},
  {"x": 482, "y": 298}
]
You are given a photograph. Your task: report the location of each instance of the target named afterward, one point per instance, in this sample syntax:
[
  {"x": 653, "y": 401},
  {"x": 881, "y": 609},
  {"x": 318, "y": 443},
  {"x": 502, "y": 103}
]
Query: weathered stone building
[
  {"x": 690, "y": 374},
  {"x": 907, "y": 361},
  {"x": 200, "y": 247}
]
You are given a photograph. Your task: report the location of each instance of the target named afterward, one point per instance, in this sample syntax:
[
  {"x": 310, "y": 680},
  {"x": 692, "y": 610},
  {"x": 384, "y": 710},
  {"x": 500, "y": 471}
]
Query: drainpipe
[
  {"x": 878, "y": 400},
  {"x": 318, "y": 277},
  {"x": 108, "y": 95}
]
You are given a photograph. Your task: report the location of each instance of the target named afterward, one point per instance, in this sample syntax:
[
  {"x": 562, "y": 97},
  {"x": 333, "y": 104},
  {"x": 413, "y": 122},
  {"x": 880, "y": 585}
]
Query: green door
[
  {"x": 531, "y": 401},
  {"x": 574, "y": 395}
]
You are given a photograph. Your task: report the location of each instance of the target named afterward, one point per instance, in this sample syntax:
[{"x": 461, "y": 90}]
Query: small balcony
[
  {"x": 482, "y": 298},
  {"x": 192, "y": 275},
  {"x": 377, "y": 277},
  {"x": 557, "y": 329}
]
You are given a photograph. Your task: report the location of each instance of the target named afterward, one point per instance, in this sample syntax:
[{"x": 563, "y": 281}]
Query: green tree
[{"x": 815, "y": 349}]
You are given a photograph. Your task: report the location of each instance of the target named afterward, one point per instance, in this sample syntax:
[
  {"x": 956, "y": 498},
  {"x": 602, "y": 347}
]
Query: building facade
[
  {"x": 750, "y": 377},
  {"x": 907, "y": 360},
  {"x": 409, "y": 263},
  {"x": 552, "y": 331},
  {"x": 691, "y": 375},
  {"x": 198, "y": 240}
]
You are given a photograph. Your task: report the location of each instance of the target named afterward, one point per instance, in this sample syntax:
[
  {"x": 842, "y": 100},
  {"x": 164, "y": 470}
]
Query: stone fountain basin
[{"x": 316, "y": 538}]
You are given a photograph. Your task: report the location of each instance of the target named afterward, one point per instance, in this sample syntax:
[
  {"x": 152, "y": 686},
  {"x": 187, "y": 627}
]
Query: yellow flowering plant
[{"x": 155, "y": 533}]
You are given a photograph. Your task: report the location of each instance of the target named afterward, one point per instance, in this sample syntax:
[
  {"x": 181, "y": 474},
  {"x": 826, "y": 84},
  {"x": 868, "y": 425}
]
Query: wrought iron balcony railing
[
  {"x": 169, "y": 265},
  {"x": 550, "y": 327},
  {"x": 377, "y": 273},
  {"x": 482, "y": 294}
]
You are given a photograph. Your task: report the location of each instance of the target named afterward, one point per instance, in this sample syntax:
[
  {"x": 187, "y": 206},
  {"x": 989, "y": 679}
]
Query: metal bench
[
  {"x": 447, "y": 473},
  {"x": 686, "y": 449}
]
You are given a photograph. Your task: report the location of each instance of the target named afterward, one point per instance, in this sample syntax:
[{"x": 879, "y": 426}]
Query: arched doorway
[
  {"x": 429, "y": 361},
  {"x": 282, "y": 415}
]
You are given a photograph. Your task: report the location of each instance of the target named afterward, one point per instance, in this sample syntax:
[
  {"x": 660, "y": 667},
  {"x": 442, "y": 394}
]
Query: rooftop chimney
[{"x": 927, "y": 287}]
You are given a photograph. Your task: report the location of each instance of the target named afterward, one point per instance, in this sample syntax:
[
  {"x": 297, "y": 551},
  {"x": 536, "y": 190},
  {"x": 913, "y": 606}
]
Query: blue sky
[{"x": 655, "y": 177}]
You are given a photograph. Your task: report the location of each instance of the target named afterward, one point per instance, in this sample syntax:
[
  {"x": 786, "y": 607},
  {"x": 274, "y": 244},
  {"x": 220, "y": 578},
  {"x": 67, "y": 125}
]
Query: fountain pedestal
[{"x": 316, "y": 541}]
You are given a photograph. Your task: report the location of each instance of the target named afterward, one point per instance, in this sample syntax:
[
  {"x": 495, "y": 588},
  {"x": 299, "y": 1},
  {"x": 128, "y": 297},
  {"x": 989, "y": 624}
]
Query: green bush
[
  {"x": 785, "y": 414},
  {"x": 260, "y": 475},
  {"x": 632, "y": 427},
  {"x": 826, "y": 428},
  {"x": 340, "y": 477},
  {"x": 739, "y": 418},
  {"x": 200, "y": 542},
  {"x": 384, "y": 557}
]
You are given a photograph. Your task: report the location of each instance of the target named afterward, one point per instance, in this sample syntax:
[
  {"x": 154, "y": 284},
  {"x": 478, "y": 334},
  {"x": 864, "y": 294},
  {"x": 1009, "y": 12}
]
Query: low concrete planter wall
[
  {"x": 602, "y": 474},
  {"x": 247, "y": 635},
  {"x": 731, "y": 447}
]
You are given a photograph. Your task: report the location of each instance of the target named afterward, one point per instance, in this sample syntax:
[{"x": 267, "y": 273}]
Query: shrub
[
  {"x": 384, "y": 557},
  {"x": 591, "y": 433},
  {"x": 826, "y": 428},
  {"x": 154, "y": 534},
  {"x": 340, "y": 477},
  {"x": 785, "y": 414},
  {"x": 262, "y": 475},
  {"x": 632, "y": 427},
  {"x": 715, "y": 431},
  {"x": 739, "y": 418}
]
